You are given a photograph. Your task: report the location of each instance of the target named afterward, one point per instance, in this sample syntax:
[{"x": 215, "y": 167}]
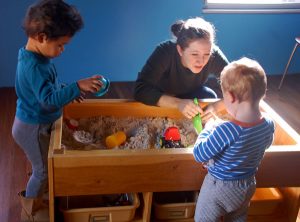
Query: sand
[{"x": 141, "y": 133}]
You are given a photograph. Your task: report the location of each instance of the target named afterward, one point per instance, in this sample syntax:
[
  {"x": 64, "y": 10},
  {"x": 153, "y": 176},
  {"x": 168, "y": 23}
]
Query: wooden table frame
[{"x": 154, "y": 170}]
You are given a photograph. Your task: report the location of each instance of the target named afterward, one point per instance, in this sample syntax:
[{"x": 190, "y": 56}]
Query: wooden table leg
[{"x": 147, "y": 196}]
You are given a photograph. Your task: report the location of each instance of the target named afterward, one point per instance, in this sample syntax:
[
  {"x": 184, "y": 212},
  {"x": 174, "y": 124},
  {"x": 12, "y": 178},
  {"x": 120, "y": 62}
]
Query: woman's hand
[
  {"x": 188, "y": 108},
  {"x": 185, "y": 106},
  {"x": 91, "y": 84}
]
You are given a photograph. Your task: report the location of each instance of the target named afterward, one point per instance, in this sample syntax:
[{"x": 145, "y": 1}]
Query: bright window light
[
  {"x": 251, "y": 6},
  {"x": 270, "y": 2}
]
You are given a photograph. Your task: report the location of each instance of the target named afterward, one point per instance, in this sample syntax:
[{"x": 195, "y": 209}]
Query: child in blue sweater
[
  {"x": 49, "y": 25},
  {"x": 233, "y": 150}
]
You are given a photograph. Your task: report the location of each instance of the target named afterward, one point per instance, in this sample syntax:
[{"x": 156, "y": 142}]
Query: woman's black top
[{"x": 164, "y": 73}]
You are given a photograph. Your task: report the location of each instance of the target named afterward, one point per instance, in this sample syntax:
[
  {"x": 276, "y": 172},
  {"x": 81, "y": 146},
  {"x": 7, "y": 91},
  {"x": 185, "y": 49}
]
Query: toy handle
[{"x": 197, "y": 121}]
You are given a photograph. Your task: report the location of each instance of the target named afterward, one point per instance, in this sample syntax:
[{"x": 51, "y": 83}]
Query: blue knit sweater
[{"x": 40, "y": 96}]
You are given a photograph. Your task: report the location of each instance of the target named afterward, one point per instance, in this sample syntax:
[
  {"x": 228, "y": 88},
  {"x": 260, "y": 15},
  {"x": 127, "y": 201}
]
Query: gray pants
[
  {"x": 227, "y": 199},
  {"x": 34, "y": 140}
]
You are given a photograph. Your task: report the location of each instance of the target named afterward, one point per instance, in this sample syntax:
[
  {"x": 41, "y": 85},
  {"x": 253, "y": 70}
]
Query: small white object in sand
[{"x": 83, "y": 136}]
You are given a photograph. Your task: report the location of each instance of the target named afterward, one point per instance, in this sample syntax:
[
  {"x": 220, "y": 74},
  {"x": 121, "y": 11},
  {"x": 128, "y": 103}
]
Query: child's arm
[
  {"x": 213, "y": 141},
  {"x": 52, "y": 98}
]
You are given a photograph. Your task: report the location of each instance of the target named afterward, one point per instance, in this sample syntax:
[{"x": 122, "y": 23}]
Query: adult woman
[{"x": 175, "y": 72}]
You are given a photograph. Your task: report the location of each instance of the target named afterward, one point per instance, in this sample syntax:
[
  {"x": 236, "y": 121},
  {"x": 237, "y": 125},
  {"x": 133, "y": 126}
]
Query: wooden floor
[{"x": 14, "y": 167}]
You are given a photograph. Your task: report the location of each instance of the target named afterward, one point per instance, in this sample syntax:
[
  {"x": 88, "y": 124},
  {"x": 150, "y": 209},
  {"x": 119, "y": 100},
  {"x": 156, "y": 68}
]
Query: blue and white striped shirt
[{"x": 233, "y": 150}]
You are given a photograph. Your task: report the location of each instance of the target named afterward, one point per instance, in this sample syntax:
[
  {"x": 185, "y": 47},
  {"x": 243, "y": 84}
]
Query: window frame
[{"x": 286, "y": 6}]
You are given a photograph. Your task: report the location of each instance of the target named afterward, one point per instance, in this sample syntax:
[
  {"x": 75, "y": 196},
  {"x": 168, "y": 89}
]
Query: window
[{"x": 251, "y": 6}]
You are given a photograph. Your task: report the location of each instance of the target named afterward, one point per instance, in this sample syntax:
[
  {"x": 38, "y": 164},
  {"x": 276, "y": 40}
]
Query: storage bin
[
  {"x": 174, "y": 205},
  {"x": 265, "y": 201},
  {"x": 99, "y": 208}
]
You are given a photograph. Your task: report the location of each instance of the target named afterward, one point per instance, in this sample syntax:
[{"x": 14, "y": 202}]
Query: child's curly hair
[{"x": 54, "y": 18}]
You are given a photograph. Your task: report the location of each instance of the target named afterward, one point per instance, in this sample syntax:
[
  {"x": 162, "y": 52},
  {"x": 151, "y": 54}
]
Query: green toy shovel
[{"x": 197, "y": 119}]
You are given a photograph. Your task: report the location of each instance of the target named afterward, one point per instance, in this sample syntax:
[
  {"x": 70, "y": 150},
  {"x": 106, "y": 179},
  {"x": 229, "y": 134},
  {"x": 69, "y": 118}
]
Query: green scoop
[{"x": 197, "y": 119}]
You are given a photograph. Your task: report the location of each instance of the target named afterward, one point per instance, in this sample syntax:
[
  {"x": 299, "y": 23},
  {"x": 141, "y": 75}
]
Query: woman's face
[{"x": 196, "y": 55}]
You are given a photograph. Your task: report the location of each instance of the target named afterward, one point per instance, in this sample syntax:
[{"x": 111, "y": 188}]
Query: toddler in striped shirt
[{"x": 233, "y": 150}]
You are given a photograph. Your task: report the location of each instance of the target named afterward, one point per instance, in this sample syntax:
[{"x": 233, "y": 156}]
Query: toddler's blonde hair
[{"x": 245, "y": 78}]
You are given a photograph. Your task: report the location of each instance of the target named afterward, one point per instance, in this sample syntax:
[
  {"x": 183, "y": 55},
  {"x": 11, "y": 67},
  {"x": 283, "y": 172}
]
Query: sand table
[{"x": 142, "y": 133}]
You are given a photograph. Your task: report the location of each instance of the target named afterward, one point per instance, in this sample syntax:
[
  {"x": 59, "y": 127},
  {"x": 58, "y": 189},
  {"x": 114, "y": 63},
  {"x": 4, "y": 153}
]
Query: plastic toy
[
  {"x": 197, "y": 121},
  {"x": 72, "y": 124},
  {"x": 104, "y": 88},
  {"x": 115, "y": 139},
  {"x": 171, "y": 138}
]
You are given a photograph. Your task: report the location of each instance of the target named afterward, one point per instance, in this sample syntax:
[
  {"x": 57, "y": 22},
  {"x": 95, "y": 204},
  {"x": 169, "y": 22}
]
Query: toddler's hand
[
  {"x": 91, "y": 84},
  {"x": 213, "y": 121},
  {"x": 188, "y": 108},
  {"x": 79, "y": 99}
]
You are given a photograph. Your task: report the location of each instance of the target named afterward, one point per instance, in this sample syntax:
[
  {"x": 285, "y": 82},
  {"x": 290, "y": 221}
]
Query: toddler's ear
[
  {"x": 41, "y": 37},
  {"x": 232, "y": 97}
]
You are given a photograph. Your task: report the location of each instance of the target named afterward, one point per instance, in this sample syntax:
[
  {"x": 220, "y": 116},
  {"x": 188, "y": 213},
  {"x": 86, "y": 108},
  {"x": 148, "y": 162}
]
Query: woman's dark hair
[
  {"x": 55, "y": 18},
  {"x": 192, "y": 29}
]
